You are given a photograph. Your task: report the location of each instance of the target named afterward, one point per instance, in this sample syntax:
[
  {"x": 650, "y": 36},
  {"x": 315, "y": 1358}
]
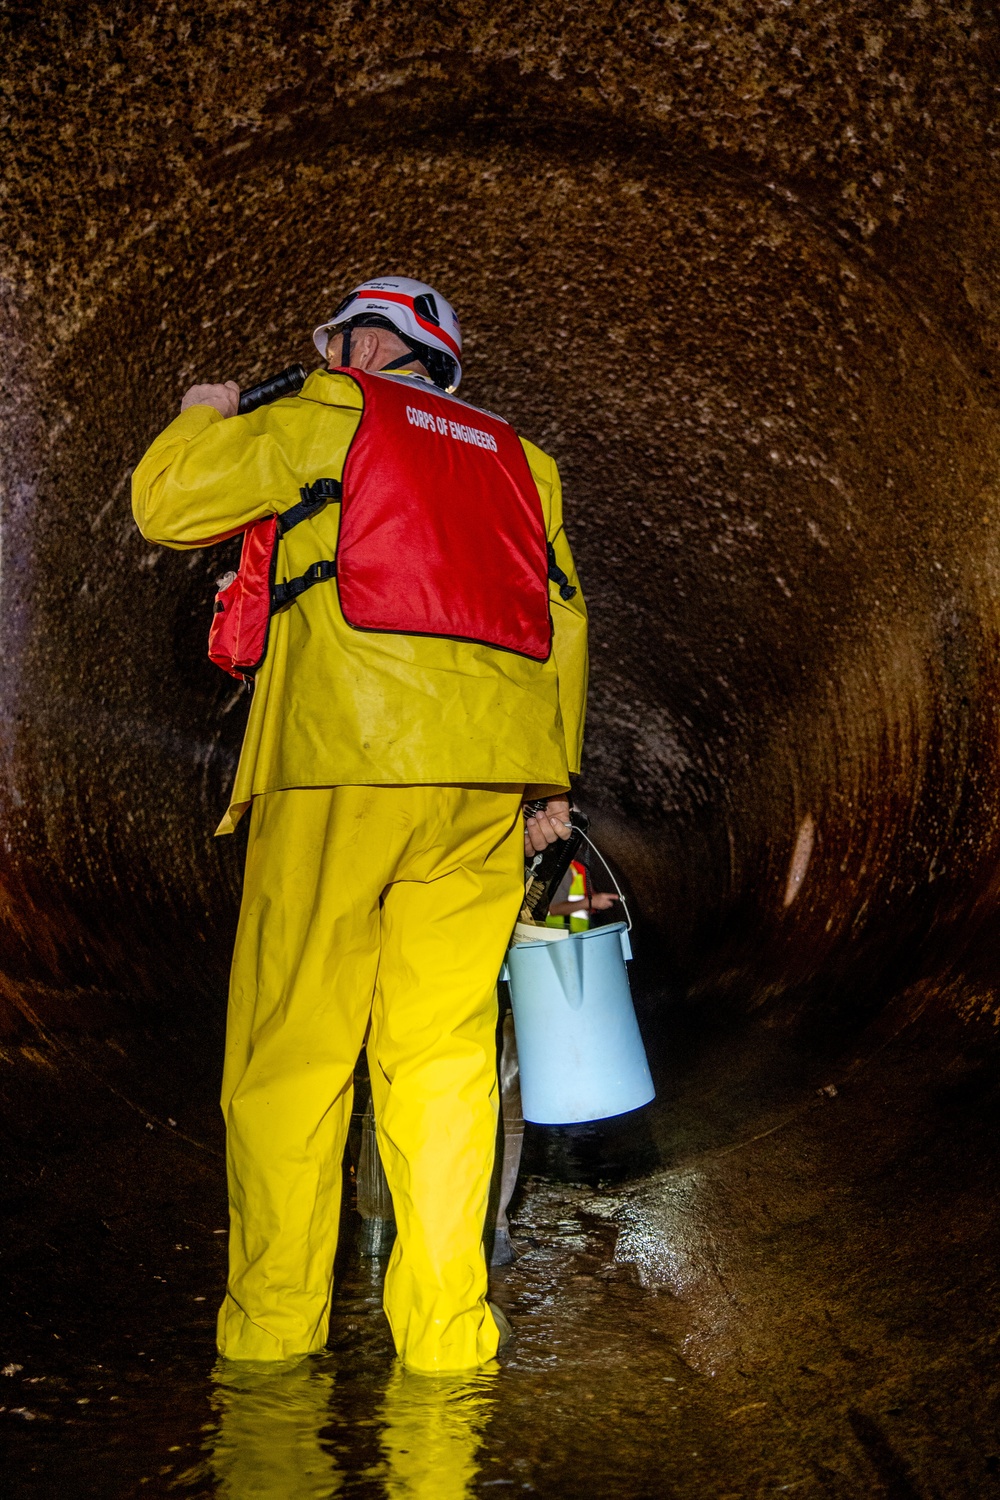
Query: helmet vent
[{"x": 426, "y": 307}]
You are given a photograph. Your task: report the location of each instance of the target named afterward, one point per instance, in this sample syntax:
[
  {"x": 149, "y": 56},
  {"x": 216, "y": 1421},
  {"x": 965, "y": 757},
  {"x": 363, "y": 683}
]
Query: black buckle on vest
[
  {"x": 317, "y": 572},
  {"x": 321, "y": 489},
  {"x": 314, "y": 497},
  {"x": 556, "y": 575}
]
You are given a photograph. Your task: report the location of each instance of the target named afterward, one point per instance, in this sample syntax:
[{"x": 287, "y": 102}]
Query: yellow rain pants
[{"x": 394, "y": 904}]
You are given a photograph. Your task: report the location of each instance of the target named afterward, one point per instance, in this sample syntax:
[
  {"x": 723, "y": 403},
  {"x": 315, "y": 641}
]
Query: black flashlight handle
[{"x": 288, "y": 383}]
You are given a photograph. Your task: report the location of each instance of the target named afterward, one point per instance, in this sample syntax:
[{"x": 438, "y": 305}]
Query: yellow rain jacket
[{"x": 333, "y": 706}]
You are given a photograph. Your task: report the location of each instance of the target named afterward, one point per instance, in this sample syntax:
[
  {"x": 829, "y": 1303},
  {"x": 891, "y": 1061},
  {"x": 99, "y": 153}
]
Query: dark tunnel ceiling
[{"x": 733, "y": 265}]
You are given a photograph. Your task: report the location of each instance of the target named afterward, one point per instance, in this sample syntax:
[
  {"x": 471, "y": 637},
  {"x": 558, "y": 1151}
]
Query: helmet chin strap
[{"x": 403, "y": 359}]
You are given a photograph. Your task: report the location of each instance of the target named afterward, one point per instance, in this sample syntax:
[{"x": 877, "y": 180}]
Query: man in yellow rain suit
[{"x": 385, "y": 772}]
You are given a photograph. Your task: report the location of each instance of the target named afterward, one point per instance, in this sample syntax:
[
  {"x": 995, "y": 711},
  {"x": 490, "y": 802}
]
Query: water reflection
[
  {"x": 279, "y": 1432},
  {"x": 268, "y": 1445},
  {"x": 433, "y": 1430}
]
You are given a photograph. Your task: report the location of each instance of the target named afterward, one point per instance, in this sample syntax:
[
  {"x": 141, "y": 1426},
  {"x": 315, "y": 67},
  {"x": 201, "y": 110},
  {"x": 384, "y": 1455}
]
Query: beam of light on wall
[{"x": 801, "y": 855}]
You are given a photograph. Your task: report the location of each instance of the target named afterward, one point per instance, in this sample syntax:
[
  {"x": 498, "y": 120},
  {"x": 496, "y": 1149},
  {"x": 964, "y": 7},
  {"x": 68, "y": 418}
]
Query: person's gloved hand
[
  {"x": 543, "y": 828},
  {"x": 225, "y": 398}
]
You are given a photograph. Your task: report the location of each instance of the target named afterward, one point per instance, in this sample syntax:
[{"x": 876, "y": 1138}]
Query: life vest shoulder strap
[
  {"x": 314, "y": 497},
  {"x": 317, "y": 572}
]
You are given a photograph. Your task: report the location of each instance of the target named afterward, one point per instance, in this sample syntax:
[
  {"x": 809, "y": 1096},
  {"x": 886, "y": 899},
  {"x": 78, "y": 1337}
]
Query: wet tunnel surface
[
  {"x": 735, "y": 267},
  {"x": 797, "y": 1292}
]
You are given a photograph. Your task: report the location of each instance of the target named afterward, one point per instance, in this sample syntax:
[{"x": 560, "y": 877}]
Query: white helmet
[{"x": 414, "y": 310}]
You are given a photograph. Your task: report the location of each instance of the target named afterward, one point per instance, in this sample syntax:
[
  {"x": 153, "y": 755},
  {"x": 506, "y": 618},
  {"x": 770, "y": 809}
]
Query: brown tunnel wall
[{"x": 734, "y": 266}]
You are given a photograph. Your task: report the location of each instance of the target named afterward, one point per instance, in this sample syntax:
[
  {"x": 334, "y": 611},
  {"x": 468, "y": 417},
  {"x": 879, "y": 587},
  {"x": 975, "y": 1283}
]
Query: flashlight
[{"x": 288, "y": 383}]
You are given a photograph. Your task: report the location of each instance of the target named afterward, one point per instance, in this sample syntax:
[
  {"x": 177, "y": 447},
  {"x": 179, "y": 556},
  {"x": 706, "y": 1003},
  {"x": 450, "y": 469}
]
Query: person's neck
[{"x": 416, "y": 370}]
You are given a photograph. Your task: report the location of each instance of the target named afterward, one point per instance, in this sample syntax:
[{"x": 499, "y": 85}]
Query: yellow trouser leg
[
  {"x": 303, "y": 976},
  {"x": 307, "y": 954},
  {"x": 432, "y": 1058}
]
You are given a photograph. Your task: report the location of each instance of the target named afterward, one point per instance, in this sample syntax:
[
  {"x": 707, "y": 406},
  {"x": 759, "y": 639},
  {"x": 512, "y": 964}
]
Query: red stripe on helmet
[{"x": 407, "y": 301}]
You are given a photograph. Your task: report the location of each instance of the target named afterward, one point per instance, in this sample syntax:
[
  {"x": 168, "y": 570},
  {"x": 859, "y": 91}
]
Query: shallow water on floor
[
  {"x": 170, "y": 1421},
  {"x": 799, "y": 1294}
]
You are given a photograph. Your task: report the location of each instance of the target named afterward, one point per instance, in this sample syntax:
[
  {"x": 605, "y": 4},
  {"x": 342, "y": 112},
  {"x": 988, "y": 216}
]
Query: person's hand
[
  {"x": 543, "y": 828},
  {"x": 225, "y": 398},
  {"x": 599, "y": 901}
]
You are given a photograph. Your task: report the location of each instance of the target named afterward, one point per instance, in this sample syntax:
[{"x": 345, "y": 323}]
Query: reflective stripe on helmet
[{"x": 401, "y": 297}]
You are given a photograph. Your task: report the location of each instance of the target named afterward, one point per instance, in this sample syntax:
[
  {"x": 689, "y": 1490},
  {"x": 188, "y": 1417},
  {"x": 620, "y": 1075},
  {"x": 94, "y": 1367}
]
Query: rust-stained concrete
[
  {"x": 735, "y": 266},
  {"x": 731, "y": 265}
]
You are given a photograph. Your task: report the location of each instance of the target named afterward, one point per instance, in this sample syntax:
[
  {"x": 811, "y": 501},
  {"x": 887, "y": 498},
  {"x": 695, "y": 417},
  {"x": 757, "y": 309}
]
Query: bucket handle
[{"x": 614, "y": 882}]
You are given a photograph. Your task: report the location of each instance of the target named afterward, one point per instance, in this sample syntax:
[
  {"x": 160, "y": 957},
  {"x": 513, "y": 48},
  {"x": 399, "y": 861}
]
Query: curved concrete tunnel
[{"x": 735, "y": 268}]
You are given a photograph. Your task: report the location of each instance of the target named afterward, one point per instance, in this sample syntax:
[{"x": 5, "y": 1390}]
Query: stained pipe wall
[{"x": 734, "y": 266}]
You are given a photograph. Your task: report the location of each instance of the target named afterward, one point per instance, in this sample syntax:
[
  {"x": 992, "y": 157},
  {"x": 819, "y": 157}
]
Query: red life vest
[{"x": 441, "y": 534}]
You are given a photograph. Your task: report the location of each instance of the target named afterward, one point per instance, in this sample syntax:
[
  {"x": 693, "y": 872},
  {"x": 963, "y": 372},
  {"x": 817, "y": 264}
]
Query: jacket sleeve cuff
[{"x": 195, "y": 420}]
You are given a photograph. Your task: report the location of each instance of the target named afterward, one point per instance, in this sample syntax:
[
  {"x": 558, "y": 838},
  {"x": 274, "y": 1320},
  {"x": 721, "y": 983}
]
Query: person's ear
[{"x": 364, "y": 352}]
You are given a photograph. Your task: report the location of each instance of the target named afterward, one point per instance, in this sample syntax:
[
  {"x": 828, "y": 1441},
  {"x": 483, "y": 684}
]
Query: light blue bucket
[{"x": 578, "y": 1043}]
